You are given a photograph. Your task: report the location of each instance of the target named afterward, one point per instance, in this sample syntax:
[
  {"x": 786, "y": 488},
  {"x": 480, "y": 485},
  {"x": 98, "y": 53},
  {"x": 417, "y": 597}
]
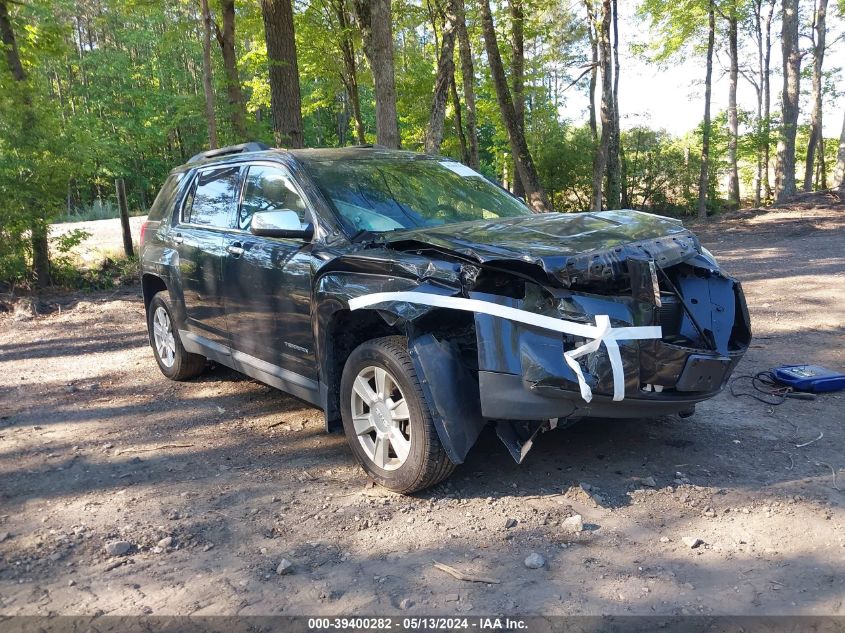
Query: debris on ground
[
  {"x": 118, "y": 548},
  {"x": 692, "y": 542},
  {"x": 284, "y": 567},
  {"x": 534, "y": 561},
  {"x": 455, "y": 573}
]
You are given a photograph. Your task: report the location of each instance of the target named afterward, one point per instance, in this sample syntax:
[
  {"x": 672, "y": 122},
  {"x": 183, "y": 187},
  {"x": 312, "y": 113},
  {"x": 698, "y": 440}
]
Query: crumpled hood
[{"x": 565, "y": 245}]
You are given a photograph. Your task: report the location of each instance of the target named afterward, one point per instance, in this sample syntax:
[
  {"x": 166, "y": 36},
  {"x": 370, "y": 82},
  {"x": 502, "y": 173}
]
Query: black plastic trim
[
  {"x": 507, "y": 397},
  {"x": 273, "y": 375}
]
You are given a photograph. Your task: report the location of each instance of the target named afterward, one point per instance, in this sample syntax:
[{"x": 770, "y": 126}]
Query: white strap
[{"x": 600, "y": 333}]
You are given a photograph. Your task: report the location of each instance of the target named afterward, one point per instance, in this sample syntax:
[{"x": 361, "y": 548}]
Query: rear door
[
  {"x": 205, "y": 217},
  {"x": 267, "y": 282}
]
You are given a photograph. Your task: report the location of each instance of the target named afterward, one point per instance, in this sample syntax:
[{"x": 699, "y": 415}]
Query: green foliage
[
  {"x": 109, "y": 273},
  {"x": 564, "y": 159},
  {"x": 114, "y": 90},
  {"x": 660, "y": 171},
  {"x": 68, "y": 272},
  {"x": 678, "y": 27}
]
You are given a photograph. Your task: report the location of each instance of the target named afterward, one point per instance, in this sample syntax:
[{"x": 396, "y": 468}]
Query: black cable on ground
[{"x": 765, "y": 383}]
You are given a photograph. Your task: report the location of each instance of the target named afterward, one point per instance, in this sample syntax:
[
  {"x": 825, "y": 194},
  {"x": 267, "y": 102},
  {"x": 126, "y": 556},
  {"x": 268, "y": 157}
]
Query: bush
[
  {"x": 97, "y": 210},
  {"x": 67, "y": 273}
]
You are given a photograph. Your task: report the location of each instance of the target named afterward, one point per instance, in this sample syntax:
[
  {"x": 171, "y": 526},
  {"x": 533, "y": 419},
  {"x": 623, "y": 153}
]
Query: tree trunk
[
  {"x": 601, "y": 155},
  {"x": 518, "y": 76},
  {"x": 758, "y": 86},
  {"x": 767, "y": 101},
  {"x": 123, "y": 207},
  {"x": 623, "y": 173},
  {"x": 39, "y": 230},
  {"x": 459, "y": 123},
  {"x": 285, "y": 99},
  {"x": 343, "y": 117},
  {"x": 207, "y": 85},
  {"x": 375, "y": 22},
  {"x": 445, "y": 72},
  {"x": 704, "y": 176},
  {"x": 733, "y": 120},
  {"x": 37, "y": 222},
  {"x": 614, "y": 184},
  {"x": 821, "y": 176},
  {"x": 467, "y": 79},
  {"x": 523, "y": 161},
  {"x": 226, "y": 40},
  {"x": 350, "y": 74},
  {"x": 816, "y": 138},
  {"x": 839, "y": 170},
  {"x": 594, "y": 68},
  {"x": 785, "y": 169},
  {"x": 10, "y": 47}
]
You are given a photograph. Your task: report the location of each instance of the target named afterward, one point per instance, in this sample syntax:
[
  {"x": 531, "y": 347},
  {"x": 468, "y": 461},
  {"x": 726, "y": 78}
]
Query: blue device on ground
[{"x": 812, "y": 378}]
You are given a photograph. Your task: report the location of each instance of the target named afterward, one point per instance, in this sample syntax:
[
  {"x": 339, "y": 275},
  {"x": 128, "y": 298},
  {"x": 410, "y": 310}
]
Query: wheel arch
[
  {"x": 436, "y": 338},
  {"x": 341, "y": 333},
  {"x": 151, "y": 285}
]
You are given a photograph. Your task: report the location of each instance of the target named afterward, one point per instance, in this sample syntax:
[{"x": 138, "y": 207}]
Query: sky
[{"x": 673, "y": 97}]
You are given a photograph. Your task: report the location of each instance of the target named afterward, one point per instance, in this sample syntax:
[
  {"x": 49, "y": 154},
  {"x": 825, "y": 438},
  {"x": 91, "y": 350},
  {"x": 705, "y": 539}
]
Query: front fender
[{"x": 449, "y": 386}]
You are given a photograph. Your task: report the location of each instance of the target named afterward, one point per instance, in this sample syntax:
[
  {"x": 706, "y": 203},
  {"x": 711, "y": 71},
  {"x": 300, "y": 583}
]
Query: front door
[
  {"x": 199, "y": 239},
  {"x": 267, "y": 283}
]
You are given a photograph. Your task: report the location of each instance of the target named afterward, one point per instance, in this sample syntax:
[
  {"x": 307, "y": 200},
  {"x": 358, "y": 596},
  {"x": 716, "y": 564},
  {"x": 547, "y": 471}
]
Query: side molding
[{"x": 288, "y": 381}]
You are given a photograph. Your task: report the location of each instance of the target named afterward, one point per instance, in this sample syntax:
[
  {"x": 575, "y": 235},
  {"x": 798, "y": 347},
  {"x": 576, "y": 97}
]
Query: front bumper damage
[
  {"x": 515, "y": 371},
  {"x": 521, "y": 376},
  {"x": 705, "y": 332}
]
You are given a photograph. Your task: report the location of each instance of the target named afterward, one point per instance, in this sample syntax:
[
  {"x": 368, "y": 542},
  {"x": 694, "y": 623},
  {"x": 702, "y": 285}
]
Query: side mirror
[{"x": 281, "y": 223}]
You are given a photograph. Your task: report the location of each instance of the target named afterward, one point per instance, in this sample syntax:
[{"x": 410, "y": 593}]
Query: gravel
[
  {"x": 535, "y": 561},
  {"x": 118, "y": 548},
  {"x": 285, "y": 567},
  {"x": 692, "y": 542}
]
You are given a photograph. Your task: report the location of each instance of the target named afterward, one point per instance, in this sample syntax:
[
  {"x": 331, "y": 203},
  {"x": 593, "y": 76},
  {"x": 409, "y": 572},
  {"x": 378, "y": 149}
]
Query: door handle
[
  {"x": 178, "y": 239},
  {"x": 235, "y": 249}
]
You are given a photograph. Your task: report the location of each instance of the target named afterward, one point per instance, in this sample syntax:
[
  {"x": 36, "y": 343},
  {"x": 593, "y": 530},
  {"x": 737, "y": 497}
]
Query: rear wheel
[
  {"x": 386, "y": 419},
  {"x": 172, "y": 358}
]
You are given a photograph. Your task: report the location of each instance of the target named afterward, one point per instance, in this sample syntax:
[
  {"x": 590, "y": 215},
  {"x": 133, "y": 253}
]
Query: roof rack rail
[
  {"x": 367, "y": 146},
  {"x": 229, "y": 149}
]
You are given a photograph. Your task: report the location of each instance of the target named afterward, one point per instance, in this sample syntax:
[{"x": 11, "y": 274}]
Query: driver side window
[{"x": 269, "y": 189}]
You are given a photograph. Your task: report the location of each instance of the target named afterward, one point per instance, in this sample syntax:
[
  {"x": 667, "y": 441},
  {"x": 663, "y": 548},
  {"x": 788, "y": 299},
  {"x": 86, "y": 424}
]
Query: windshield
[{"x": 385, "y": 194}]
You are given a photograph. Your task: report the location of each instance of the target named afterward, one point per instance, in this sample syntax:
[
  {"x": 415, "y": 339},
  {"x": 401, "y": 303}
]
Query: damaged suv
[{"x": 415, "y": 302}]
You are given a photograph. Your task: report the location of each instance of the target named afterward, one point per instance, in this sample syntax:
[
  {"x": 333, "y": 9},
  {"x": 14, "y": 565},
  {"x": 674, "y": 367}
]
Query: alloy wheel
[
  {"x": 163, "y": 337},
  {"x": 381, "y": 418}
]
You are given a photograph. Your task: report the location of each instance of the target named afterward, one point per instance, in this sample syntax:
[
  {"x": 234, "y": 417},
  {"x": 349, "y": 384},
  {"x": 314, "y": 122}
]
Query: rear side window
[
  {"x": 214, "y": 197},
  {"x": 164, "y": 201}
]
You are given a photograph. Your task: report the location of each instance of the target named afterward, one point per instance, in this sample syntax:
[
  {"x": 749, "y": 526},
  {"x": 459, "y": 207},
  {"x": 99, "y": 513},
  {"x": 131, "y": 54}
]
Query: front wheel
[
  {"x": 386, "y": 419},
  {"x": 174, "y": 361}
]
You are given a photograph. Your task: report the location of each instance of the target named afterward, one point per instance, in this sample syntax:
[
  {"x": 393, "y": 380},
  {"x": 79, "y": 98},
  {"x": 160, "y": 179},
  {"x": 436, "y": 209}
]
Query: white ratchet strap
[{"x": 600, "y": 333}]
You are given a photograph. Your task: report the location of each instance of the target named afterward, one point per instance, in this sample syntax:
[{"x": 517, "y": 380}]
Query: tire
[
  {"x": 173, "y": 360},
  {"x": 424, "y": 462}
]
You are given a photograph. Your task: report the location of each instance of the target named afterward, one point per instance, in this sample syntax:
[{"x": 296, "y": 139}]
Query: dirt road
[
  {"x": 210, "y": 484},
  {"x": 104, "y": 238}
]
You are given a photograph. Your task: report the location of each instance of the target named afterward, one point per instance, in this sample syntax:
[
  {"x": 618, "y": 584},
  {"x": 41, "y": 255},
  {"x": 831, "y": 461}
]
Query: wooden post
[{"x": 120, "y": 188}]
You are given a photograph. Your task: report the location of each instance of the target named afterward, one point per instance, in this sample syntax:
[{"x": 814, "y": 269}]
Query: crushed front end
[
  {"x": 537, "y": 323},
  {"x": 703, "y": 320}
]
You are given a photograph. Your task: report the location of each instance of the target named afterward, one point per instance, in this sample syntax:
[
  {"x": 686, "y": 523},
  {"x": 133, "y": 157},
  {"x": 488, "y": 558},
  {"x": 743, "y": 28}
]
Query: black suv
[{"x": 414, "y": 301}]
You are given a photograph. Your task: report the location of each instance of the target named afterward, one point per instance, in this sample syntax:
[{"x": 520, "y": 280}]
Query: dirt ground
[{"x": 212, "y": 483}]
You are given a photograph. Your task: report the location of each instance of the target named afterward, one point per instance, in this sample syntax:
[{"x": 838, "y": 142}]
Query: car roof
[
  {"x": 306, "y": 155},
  {"x": 356, "y": 152}
]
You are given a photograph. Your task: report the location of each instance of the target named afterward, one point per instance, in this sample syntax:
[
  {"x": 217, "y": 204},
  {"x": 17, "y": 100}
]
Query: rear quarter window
[
  {"x": 214, "y": 197},
  {"x": 166, "y": 198}
]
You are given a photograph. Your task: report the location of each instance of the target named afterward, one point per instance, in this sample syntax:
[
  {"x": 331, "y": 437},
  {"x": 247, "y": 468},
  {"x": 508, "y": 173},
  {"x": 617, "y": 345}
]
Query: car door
[
  {"x": 267, "y": 282},
  {"x": 198, "y": 237}
]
